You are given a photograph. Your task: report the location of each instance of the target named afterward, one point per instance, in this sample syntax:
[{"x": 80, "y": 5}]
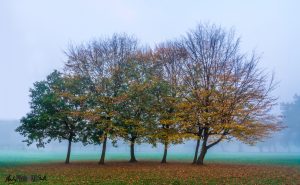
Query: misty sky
[{"x": 34, "y": 33}]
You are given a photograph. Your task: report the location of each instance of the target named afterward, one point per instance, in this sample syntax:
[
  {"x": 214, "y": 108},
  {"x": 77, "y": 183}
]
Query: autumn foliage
[{"x": 200, "y": 87}]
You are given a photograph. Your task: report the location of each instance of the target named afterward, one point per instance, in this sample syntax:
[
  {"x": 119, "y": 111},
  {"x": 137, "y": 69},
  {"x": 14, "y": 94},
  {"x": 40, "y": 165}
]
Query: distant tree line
[
  {"x": 199, "y": 87},
  {"x": 290, "y": 112}
]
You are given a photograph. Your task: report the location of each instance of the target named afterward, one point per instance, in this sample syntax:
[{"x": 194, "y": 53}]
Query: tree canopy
[
  {"x": 201, "y": 86},
  {"x": 56, "y": 107}
]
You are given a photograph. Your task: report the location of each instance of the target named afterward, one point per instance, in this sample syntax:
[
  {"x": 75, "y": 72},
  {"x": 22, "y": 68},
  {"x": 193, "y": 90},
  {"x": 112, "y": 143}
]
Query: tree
[
  {"x": 102, "y": 62},
  {"x": 166, "y": 91},
  {"x": 230, "y": 93},
  {"x": 291, "y": 119},
  {"x": 56, "y": 112},
  {"x": 134, "y": 114}
]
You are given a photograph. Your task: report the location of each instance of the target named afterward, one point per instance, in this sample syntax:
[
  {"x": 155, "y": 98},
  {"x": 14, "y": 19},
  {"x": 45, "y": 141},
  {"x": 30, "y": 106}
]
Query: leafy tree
[
  {"x": 167, "y": 95},
  {"x": 165, "y": 127},
  {"x": 102, "y": 62},
  {"x": 230, "y": 94},
  {"x": 56, "y": 112},
  {"x": 134, "y": 111}
]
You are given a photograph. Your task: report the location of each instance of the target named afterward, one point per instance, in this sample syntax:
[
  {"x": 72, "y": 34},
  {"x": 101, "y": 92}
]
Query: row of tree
[{"x": 199, "y": 87}]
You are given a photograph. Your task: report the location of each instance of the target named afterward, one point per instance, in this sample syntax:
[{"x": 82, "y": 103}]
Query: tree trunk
[
  {"x": 196, "y": 151},
  {"x": 102, "y": 159},
  {"x": 202, "y": 154},
  {"x": 164, "y": 159},
  {"x": 203, "y": 148},
  {"x": 69, "y": 150},
  {"x": 132, "y": 156}
]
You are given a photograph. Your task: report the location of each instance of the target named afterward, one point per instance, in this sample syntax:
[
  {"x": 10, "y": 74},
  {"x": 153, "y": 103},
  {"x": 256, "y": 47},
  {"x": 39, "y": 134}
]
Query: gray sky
[{"x": 33, "y": 34}]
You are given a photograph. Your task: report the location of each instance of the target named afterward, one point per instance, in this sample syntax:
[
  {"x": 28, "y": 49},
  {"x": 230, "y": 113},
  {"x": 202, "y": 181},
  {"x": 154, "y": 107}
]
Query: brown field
[{"x": 156, "y": 173}]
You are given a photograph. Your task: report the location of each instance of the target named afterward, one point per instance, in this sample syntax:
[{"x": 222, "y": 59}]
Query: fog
[
  {"x": 280, "y": 143},
  {"x": 34, "y": 33}
]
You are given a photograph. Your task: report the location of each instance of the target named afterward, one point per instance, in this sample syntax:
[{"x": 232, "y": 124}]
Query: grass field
[
  {"x": 156, "y": 173},
  {"x": 220, "y": 168}
]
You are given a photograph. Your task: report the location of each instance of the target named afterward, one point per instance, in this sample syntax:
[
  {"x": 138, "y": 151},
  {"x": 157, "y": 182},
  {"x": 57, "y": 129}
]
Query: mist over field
[
  {"x": 273, "y": 151},
  {"x": 12, "y": 141}
]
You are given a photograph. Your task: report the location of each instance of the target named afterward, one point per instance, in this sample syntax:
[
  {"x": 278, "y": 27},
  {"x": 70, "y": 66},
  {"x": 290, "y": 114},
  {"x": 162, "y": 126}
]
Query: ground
[{"x": 155, "y": 173}]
